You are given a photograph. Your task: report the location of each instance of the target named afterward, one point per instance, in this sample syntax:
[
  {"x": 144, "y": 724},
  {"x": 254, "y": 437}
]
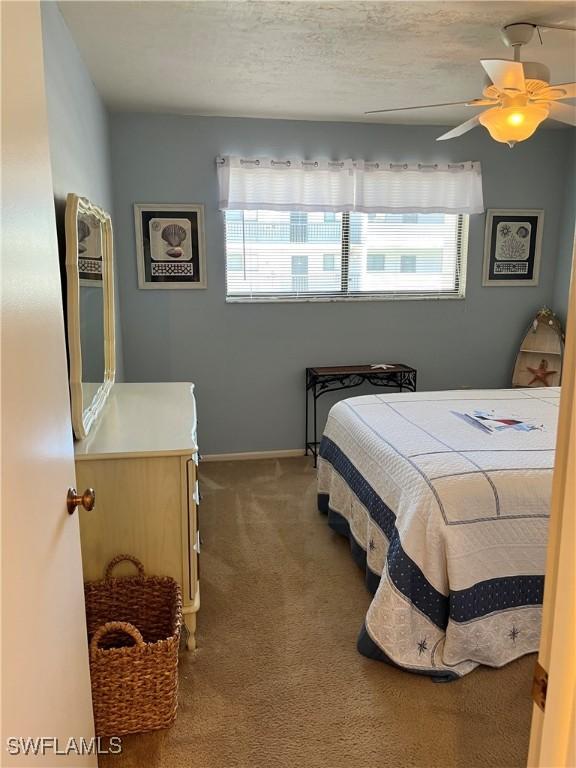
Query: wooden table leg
[{"x": 190, "y": 624}]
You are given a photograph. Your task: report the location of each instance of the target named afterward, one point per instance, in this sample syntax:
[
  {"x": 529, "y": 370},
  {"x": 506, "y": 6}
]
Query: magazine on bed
[{"x": 490, "y": 422}]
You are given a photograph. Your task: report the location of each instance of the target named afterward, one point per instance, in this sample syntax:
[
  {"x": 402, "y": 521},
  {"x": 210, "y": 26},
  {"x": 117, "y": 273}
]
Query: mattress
[{"x": 445, "y": 498}]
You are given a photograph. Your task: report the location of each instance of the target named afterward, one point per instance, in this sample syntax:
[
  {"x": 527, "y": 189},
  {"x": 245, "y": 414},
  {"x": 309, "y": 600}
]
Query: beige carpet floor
[{"x": 277, "y": 682}]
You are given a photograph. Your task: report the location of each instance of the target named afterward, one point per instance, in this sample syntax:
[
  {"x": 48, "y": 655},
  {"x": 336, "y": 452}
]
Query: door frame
[{"x": 552, "y": 736}]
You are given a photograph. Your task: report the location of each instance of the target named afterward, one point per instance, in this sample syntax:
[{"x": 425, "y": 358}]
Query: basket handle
[
  {"x": 115, "y": 626},
  {"x": 119, "y": 559}
]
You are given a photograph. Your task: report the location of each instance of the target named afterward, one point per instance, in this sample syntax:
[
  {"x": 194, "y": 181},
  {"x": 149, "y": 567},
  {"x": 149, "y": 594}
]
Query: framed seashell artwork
[
  {"x": 512, "y": 246},
  {"x": 89, "y": 234},
  {"x": 170, "y": 245}
]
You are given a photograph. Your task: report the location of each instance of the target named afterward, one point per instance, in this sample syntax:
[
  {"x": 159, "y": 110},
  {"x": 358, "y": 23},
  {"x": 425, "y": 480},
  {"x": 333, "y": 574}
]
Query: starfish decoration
[
  {"x": 422, "y": 646},
  {"x": 540, "y": 374},
  {"x": 513, "y": 634},
  {"x": 372, "y": 545}
]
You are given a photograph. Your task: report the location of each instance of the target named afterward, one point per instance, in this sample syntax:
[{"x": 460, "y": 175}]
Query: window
[
  {"x": 291, "y": 255},
  {"x": 376, "y": 262},
  {"x": 329, "y": 262},
  {"x": 407, "y": 262},
  {"x": 235, "y": 262}
]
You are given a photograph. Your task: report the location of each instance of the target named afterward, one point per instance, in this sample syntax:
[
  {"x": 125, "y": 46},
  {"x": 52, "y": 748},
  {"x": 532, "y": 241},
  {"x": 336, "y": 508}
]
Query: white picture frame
[
  {"x": 170, "y": 246},
  {"x": 88, "y": 399},
  {"x": 512, "y": 247}
]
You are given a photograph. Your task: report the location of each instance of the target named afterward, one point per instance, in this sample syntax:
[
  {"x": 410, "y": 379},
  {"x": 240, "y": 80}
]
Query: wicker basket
[{"x": 134, "y": 631}]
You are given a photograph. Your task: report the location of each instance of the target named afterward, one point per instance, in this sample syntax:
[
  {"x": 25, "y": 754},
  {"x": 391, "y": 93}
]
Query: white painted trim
[
  {"x": 85, "y": 414},
  {"x": 292, "y": 453},
  {"x": 312, "y": 299}
]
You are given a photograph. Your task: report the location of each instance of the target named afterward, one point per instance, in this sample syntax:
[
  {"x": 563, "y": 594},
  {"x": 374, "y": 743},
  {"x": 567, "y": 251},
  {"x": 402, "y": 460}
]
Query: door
[
  {"x": 553, "y": 735},
  {"x": 45, "y": 674}
]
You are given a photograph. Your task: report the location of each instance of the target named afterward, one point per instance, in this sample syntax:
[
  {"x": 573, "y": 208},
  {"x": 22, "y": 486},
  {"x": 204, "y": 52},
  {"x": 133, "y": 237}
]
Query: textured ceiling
[{"x": 306, "y": 60}]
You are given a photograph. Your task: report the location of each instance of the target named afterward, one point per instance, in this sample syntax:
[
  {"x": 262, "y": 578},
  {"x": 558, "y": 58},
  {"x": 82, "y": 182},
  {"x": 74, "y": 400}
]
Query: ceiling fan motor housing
[{"x": 517, "y": 34}]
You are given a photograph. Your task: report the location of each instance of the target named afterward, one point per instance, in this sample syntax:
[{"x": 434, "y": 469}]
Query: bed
[{"x": 445, "y": 499}]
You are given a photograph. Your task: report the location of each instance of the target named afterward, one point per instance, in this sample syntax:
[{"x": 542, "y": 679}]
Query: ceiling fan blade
[
  {"x": 423, "y": 106},
  {"x": 548, "y": 94},
  {"x": 505, "y": 74},
  {"x": 482, "y": 102},
  {"x": 460, "y": 129},
  {"x": 569, "y": 88},
  {"x": 564, "y": 113}
]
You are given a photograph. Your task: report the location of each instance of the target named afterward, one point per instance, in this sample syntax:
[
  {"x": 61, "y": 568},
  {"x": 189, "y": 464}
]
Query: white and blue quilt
[{"x": 445, "y": 497}]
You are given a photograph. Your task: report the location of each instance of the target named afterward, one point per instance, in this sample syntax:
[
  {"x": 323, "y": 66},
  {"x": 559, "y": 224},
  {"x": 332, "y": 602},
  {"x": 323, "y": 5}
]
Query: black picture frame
[
  {"x": 512, "y": 247},
  {"x": 170, "y": 245}
]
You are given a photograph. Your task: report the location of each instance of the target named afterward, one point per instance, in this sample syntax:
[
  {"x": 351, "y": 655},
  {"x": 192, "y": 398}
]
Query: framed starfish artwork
[{"x": 512, "y": 247}]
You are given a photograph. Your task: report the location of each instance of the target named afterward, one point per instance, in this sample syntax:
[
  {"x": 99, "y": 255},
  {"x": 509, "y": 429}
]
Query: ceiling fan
[{"x": 518, "y": 94}]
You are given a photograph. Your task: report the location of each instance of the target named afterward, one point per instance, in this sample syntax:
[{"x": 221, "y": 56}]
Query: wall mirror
[{"x": 90, "y": 310}]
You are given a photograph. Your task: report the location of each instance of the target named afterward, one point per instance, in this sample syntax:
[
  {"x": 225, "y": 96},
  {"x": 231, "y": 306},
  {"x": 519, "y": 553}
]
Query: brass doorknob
[{"x": 87, "y": 499}]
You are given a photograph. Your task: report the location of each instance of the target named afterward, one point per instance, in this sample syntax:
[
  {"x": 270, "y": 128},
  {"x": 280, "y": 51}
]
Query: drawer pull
[{"x": 196, "y": 546}]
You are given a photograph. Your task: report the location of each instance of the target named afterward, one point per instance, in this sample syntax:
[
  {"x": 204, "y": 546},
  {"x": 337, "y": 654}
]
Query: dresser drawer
[
  {"x": 192, "y": 533},
  {"x": 137, "y": 511}
]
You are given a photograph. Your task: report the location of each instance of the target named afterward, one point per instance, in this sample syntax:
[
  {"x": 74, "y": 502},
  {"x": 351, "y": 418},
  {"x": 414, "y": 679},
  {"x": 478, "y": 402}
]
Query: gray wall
[
  {"x": 79, "y": 130},
  {"x": 566, "y": 236},
  {"x": 248, "y": 360}
]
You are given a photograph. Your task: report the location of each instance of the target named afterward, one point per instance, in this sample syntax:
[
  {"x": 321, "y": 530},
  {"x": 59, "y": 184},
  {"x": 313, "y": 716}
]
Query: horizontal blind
[{"x": 275, "y": 255}]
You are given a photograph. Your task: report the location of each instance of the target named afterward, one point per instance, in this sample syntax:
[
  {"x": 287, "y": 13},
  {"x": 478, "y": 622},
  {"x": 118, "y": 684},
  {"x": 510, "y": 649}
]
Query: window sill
[{"x": 327, "y": 299}]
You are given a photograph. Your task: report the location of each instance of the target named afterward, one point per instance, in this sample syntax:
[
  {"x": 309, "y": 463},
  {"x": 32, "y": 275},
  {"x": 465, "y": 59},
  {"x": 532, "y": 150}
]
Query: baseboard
[{"x": 288, "y": 454}]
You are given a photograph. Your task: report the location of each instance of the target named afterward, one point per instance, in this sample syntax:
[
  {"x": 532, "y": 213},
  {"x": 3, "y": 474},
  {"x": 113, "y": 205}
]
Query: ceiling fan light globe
[
  {"x": 510, "y": 125},
  {"x": 516, "y": 118}
]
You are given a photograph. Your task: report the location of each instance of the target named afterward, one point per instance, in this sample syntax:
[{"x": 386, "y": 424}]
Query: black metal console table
[{"x": 319, "y": 381}]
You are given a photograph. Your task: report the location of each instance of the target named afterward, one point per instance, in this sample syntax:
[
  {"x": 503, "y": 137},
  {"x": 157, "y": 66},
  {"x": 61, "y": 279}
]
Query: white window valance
[{"x": 293, "y": 184}]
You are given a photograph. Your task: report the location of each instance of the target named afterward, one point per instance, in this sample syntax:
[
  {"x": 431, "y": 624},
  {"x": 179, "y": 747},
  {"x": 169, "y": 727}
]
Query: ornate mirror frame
[{"x": 84, "y": 414}]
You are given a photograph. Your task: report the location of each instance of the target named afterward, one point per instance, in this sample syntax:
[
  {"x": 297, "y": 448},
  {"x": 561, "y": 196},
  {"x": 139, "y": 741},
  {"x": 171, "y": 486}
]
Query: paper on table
[{"x": 384, "y": 366}]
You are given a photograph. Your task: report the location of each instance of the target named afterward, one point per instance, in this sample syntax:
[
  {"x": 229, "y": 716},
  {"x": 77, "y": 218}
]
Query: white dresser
[{"x": 141, "y": 458}]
